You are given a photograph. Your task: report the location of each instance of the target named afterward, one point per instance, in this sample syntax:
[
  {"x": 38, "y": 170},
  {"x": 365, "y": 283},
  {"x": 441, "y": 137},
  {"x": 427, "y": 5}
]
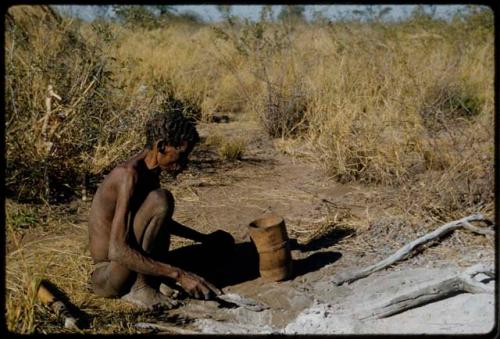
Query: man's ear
[{"x": 160, "y": 146}]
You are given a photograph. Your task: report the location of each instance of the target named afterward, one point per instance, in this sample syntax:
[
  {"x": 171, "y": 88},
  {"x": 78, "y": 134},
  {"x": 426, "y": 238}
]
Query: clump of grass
[
  {"x": 214, "y": 140},
  {"x": 283, "y": 113},
  {"x": 448, "y": 104},
  {"x": 228, "y": 148},
  {"x": 232, "y": 149},
  {"x": 22, "y": 217}
]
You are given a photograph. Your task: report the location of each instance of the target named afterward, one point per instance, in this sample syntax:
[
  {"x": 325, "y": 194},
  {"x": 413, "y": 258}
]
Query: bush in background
[
  {"x": 42, "y": 49},
  {"x": 379, "y": 102}
]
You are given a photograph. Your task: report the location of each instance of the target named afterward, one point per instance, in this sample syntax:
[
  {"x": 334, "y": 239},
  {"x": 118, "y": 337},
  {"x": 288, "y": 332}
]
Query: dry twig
[
  {"x": 46, "y": 137},
  {"x": 405, "y": 250}
]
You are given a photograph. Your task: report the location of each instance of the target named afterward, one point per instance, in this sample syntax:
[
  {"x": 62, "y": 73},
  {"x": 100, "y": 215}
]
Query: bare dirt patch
[{"x": 325, "y": 222}]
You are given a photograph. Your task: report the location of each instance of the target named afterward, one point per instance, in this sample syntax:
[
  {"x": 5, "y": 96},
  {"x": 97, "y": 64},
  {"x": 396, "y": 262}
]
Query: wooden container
[{"x": 271, "y": 240}]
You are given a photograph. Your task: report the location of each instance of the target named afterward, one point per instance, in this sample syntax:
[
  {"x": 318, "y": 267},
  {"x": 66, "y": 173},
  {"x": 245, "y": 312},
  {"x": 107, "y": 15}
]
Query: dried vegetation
[{"x": 405, "y": 105}]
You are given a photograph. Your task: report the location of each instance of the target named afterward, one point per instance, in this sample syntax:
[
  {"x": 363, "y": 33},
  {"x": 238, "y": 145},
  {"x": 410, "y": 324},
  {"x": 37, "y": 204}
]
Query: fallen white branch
[
  {"x": 462, "y": 283},
  {"x": 405, "y": 250},
  {"x": 478, "y": 230},
  {"x": 46, "y": 137}
]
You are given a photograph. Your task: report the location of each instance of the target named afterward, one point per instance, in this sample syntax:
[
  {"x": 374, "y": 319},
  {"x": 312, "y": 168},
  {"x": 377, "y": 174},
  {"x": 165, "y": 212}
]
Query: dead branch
[
  {"x": 58, "y": 306},
  {"x": 48, "y": 106},
  {"x": 462, "y": 283},
  {"x": 46, "y": 137},
  {"x": 405, "y": 250},
  {"x": 478, "y": 230}
]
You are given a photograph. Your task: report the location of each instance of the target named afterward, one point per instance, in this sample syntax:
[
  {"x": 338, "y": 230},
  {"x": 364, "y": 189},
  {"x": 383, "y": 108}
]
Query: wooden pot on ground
[{"x": 271, "y": 240}]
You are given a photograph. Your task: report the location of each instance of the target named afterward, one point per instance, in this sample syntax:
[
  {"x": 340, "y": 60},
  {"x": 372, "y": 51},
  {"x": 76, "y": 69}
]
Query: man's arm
[
  {"x": 218, "y": 240},
  {"x": 121, "y": 252},
  {"x": 119, "y": 249},
  {"x": 186, "y": 232}
]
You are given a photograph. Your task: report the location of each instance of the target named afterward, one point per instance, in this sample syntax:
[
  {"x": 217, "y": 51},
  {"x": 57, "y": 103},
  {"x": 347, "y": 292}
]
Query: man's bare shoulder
[{"x": 125, "y": 171}]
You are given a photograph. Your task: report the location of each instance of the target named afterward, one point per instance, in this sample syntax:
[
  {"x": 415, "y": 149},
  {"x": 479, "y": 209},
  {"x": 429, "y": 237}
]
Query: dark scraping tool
[{"x": 232, "y": 300}]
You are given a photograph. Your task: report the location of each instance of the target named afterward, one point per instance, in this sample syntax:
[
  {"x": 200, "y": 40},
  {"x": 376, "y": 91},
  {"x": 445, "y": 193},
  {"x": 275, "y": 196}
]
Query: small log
[
  {"x": 405, "y": 250},
  {"x": 58, "y": 306},
  {"x": 462, "y": 283}
]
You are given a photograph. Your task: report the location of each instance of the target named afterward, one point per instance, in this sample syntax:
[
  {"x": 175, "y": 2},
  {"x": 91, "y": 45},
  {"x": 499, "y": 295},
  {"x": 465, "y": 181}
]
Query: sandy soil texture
[
  {"x": 269, "y": 181},
  {"x": 332, "y": 228}
]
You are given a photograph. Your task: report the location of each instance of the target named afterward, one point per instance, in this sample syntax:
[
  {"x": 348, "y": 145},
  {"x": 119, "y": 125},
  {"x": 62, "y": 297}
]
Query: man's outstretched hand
[
  {"x": 219, "y": 240},
  {"x": 198, "y": 287},
  {"x": 219, "y": 244}
]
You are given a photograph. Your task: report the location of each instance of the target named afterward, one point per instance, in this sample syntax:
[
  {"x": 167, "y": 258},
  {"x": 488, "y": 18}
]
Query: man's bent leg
[
  {"x": 150, "y": 226},
  {"x": 111, "y": 279}
]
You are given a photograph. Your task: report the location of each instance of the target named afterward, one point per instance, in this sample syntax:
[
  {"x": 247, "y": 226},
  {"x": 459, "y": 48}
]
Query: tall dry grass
[
  {"x": 377, "y": 90},
  {"x": 42, "y": 49},
  {"x": 374, "y": 100},
  {"x": 408, "y": 105}
]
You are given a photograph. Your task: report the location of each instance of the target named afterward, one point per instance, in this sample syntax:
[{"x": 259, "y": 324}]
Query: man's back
[{"x": 103, "y": 206}]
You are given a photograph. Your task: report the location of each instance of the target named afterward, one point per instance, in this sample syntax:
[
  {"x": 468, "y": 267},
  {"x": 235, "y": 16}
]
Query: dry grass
[
  {"x": 232, "y": 149},
  {"x": 52, "y": 255},
  {"x": 369, "y": 97},
  {"x": 228, "y": 148},
  {"x": 407, "y": 106},
  {"x": 214, "y": 140},
  {"x": 367, "y": 114},
  {"x": 65, "y": 261}
]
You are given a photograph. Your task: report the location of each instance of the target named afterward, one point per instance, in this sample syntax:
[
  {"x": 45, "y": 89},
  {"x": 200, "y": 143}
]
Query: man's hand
[
  {"x": 219, "y": 240},
  {"x": 198, "y": 287}
]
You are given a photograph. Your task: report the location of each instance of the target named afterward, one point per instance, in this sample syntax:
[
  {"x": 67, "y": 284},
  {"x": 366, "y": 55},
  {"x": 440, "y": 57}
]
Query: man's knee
[
  {"x": 111, "y": 280},
  {"x": 163, "y": 202},
  {"x": 152, "y": 217}
]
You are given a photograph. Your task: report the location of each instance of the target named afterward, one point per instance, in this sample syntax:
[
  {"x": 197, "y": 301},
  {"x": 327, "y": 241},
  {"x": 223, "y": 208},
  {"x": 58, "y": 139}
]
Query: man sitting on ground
[{"x": 131, "y": 221}]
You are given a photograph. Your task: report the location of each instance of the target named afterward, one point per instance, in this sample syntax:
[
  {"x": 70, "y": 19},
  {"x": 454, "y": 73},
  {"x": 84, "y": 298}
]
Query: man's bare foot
[{"x": 150, "y": 299}]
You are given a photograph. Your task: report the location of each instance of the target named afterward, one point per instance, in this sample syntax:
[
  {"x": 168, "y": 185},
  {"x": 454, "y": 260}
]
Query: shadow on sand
[
  {"x": 325, "y": 240},
  {"x": 230, "y": 266}
]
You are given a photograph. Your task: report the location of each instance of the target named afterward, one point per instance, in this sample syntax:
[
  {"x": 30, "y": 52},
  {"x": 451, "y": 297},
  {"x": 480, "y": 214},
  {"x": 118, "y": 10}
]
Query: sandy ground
[
  {"x": 461, "y": 314},
  {"x": 322, "y": 218},
  {"x": 336, "y": 310},
  {"x": 269, "y": 181}
]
